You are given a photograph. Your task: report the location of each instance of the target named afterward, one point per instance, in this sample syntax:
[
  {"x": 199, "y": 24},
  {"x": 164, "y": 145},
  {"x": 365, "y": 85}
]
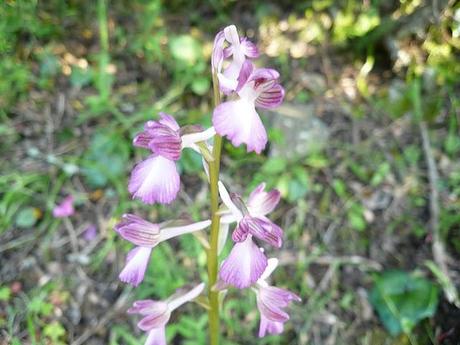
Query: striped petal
[
  {"x": 136, "y": 264},
  {"x": 271, "y": 98},
  {"x": 244, "y": 265},
  {"x": 260, "y": 202},
  {"x": 155, "y": 180},
  {"x": 240, "y": 123}
]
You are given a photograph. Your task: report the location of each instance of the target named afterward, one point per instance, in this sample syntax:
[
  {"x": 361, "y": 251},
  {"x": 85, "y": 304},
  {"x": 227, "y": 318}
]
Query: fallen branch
[{"x": 439, "y": 252}]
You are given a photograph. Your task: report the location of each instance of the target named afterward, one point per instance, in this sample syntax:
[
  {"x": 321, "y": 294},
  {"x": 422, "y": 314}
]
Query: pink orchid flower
[
  {"x": 238, "y": 119},
  {"x": 65, "y": 208},
  {"x": 156, "y": 314},
  {"x": 246, "y": 261},
  {"x": 156, "y": 179},
  {"x": 271, "y": 302},
  {"x": 238, "y": 49},
  {"x": 146, "y": 236}
]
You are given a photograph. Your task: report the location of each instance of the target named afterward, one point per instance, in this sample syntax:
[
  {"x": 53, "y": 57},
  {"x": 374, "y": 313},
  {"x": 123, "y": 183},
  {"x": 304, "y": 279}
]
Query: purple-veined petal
[
  {"x": 148, "y": 306},
  {"x": 271, "y": 98},
  {"x": 249, "y": 49},
  {"x": 156, "y": 336},
  {"x": 155, "y": 319},
  {"x": 264, "y": 77},
  {"x": 166, "y": 142},
  {"x": 136, "y": 264},
  {"x": 261, "y": 202},
  {"x": 244, "y": 265},
  {"x": 245, "y": 73},
  {"x": 155, "y": 180},
  {"x": 239, "y": 121},
  {"x": 168, "y": 120},
  {"x": 218, "y": 52},
  {"x": 65, "y": 208},
  {"x": 270, "y": 327},
  {"x": 138, "y": 231},
  {"x": 260, "y": 227},
  {"x": 271, "y": 301},
  {"x": 241, "y": 232}
]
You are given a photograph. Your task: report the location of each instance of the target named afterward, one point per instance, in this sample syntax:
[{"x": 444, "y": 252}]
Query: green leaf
[
  {"x": 356, "y": 217},
  {"x": 105, "y": 159},
  {"x": 26, "y": 218},
  {"x": 200, "y": 85},
  {"x": 186, "y": 49},
  {"x": 54, "y": 331},
  {"x": 5, "y": 293},
  {"x": 274, "y": 166},
  {"x": 403, "y": 299}
]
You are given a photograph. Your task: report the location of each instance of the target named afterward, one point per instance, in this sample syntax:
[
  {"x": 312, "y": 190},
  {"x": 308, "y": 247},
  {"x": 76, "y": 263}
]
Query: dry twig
[{"x": 439, "y": 252}]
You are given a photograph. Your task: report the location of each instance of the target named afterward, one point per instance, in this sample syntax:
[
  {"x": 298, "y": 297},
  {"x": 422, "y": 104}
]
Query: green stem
[{"x": 213, "y": 263}]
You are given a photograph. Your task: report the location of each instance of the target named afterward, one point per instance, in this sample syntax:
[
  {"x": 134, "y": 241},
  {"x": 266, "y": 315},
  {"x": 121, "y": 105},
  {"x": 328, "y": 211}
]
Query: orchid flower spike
[
  {"x": 271, "y": 301},
  {"x": 65, "y": 208},
  {"x": 146, "y": 236},
  {"x": 156, "y": 179},
  {"x": 246, "y": 261},
  {"x": 238, "y": 48},
  {"x": 156, "y": 314},
  {"x": 238, "y": 119}
]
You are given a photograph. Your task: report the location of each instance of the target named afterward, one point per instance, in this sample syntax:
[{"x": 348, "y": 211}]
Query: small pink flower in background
[
  {"x": 238, "y": 49},
  {"x": 271, "y": 302},
  {"x": 156, "y": 179},
  {"x": 65, "y": 208},
  {"x": 90, "y": 232},
  {"x": 156, "y": 314},
  {"x": 238, "y": 119},
  {"x": 246, "y": 261},
  {"x": 146, "y": 236}
]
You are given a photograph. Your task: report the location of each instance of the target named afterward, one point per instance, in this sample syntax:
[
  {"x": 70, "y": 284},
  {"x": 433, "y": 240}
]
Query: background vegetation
[{"x": 365, "y": 152}]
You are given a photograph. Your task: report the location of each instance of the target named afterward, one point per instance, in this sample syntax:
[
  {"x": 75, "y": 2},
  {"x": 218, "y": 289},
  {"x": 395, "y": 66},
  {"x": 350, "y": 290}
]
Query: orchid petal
[
  {"x": 249, "y": 49},
  {"x": 271, "y": 98},
  {"x": 271, "y": 266},
  {"x": 148, "y": 306},
  {"x": 138, "y": 231},
  {"x": 260, "y": 227},
  {"x": 239, "y": 121},
  {"x": 261, "y": 202},
  {"x": 244, "y": 265},
  {"x": 272, "y": 327},
  {"x": 168, "y": 120},
  {"x": 155, "y": 180},
  {"x": 227, "y": 200},
  {"x": 189, "y": 139},
  {"x": 217, "y": 52},
  {"x": 136, "y": 264},
  {"x": 65, "y": 208},
  {"x": 223, "y": 234},
  {"x": 177, "y": 301},
  {"x": 171, "y": 232},
  {"x": 157, "y": 336}
]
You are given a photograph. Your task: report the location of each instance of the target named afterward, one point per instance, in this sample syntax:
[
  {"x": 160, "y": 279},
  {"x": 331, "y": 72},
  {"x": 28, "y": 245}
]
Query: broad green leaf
[
  {"x": 26, "y": 218},
  {"x": 403, "y": 299}
]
